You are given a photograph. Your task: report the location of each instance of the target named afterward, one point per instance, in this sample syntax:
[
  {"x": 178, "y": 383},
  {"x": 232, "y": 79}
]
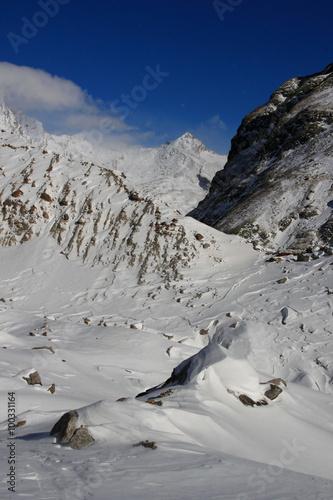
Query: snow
[{"x": 113, "y": 338}]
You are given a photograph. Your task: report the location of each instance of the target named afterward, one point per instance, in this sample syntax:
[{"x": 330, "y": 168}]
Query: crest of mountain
[
  {"x": 80, "y": 196},
  {"x": 276, "y": 188}
]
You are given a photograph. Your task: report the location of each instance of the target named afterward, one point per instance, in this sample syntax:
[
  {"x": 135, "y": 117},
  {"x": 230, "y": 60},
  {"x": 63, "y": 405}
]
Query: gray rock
[
  {"x": 80, "y": 439},
  {"x": 68, "y": 433},
  {"x": 65, "y": 427}
]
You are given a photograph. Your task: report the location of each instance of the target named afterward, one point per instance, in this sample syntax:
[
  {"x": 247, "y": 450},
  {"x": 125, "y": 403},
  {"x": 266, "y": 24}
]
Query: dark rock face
[
  {"x": 277, "y": 183},
  {"x": 65, "y": 427}
]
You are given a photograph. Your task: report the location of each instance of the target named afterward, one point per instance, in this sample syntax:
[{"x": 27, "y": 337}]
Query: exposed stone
[
  {"x": 153, "y": 402},
  {"x": 65, "y": 427},
  {"x": 52, "y": 389},
  {"x": 273, "y": 392},
  {"x": 277, "y": 381},
  {"x": 134, "y": 196},
  {"x": 33, "y": 379},
  {"x": 45, "y": 347},
  {"x": 147, "y": 444},
  {"x": 166, "y": 393},
  {"x": 46, "y": 197},
  {"x": 303, "y": 258},
  {"x": 246, "y": 400},
  {"x": 20, "y": 423},
  {"x": 17, "y": 193},
  {"x": 80, "y": 439}
]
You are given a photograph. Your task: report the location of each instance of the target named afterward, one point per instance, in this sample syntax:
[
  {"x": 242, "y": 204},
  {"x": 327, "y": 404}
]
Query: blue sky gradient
[{"x": 219, "y": 60}]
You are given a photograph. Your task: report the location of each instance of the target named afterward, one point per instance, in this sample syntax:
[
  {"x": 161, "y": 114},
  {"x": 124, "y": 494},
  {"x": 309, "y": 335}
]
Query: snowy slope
[{"x": 118, "y": 328}]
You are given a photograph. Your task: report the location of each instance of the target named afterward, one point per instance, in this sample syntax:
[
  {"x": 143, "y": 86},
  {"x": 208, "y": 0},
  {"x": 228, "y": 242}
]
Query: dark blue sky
[{"x": 220, "y": 66}]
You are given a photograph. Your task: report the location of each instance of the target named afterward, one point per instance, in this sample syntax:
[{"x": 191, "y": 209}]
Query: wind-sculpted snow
[{"x": 107, "y": 292}]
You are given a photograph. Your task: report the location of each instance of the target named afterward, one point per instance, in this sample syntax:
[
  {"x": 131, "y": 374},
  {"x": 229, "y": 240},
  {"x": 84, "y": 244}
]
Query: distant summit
[{"x": 25, "y": 126}]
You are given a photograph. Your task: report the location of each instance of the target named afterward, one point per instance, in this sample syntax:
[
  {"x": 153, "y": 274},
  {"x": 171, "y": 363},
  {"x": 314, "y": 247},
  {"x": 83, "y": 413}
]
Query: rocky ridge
[
  {"x": 276, "y": 188},
  {"x": 94, "y": 212}
]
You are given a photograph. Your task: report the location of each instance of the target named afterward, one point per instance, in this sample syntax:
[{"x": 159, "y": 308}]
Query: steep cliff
[{"x": 276, "y": 188}]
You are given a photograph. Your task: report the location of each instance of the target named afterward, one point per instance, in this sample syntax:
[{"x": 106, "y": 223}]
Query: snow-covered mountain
[
  {"x": 276, "y": 189},
  {"x": 193, "y": 366},
  {"x": 178, "y": 173}
]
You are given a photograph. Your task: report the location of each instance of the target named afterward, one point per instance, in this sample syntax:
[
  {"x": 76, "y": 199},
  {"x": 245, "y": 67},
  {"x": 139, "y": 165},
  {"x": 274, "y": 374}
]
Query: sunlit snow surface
[{"x": 209, "y": 445}]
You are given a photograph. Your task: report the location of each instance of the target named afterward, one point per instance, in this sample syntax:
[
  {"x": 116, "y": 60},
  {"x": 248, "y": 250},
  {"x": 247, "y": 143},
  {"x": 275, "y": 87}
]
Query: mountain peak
[
  {"x": 189, "y": 142},
  {"x": 16, "y": 120}
]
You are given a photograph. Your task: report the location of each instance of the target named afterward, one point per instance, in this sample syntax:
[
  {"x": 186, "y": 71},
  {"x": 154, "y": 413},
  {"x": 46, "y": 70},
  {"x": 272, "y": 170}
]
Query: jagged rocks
[
  {"x": 65, "y": 427},
  {"x": 278, "y": 176},
  {"x": 68, "y": 433}
]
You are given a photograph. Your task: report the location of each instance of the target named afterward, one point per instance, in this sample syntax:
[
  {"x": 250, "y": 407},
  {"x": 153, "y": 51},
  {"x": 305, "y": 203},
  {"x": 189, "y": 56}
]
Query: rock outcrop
[
  {"x": 67, "y": 432},
  {"x": 276, "y": 188}
]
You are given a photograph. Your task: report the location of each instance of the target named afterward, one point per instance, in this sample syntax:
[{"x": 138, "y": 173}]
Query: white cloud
[
  {"x": 60, "y": 104},
  {"x": 29, "y": 89},
  {"x": 105, "y": 123},
  {"x": 65, "y": 108}
]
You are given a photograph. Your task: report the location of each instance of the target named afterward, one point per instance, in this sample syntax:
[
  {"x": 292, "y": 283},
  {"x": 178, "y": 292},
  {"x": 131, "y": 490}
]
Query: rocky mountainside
[
  {"x": 61, "y": 187},
  {"x": 179, "y": 172},
  {"x": 276, "y": 188}
]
